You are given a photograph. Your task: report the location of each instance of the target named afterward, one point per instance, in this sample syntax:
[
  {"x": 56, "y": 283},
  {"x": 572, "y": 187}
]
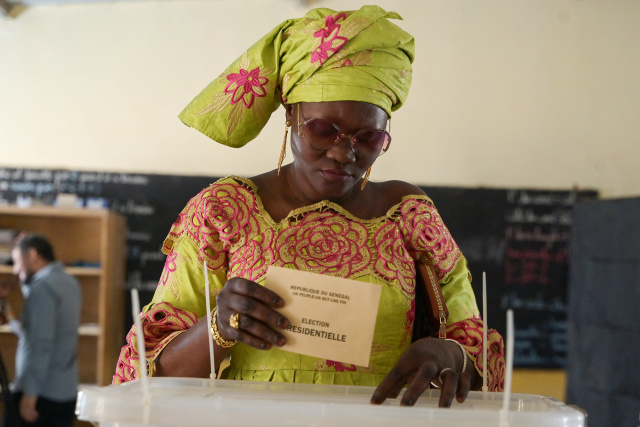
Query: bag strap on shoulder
[{"x": 435, "y": 306}]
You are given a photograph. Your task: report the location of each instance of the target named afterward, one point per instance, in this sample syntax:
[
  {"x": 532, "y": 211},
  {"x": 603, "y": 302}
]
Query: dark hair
[{"x": 38, "y": 242}]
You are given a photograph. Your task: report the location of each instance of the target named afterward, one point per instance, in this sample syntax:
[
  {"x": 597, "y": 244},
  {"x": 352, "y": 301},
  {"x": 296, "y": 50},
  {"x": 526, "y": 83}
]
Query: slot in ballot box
[{"x": 200, "y": 402}]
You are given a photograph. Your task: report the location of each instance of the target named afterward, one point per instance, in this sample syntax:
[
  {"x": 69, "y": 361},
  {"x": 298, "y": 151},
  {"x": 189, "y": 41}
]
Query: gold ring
[{"x": 234, "y": 321}]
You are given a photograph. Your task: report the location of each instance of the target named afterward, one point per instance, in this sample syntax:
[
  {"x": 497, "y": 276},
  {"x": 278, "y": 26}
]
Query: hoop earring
[
  {"x": 283, "y": 152},
  {"x": 366, "y": 178}
]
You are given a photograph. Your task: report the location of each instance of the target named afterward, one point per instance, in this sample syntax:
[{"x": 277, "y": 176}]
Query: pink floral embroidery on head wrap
[
  {"x": 246, "y": 85},
  {"x": 296, "y": 62},
  {"x": 330, "y": 40}
]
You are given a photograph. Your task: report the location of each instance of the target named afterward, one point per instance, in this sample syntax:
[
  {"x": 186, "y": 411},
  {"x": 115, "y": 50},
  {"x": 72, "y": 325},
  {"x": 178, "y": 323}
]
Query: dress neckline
[{"x": 324, "y": 205}]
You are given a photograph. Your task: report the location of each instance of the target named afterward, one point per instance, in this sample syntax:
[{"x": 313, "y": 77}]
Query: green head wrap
[{"x": 325, "y": 56}]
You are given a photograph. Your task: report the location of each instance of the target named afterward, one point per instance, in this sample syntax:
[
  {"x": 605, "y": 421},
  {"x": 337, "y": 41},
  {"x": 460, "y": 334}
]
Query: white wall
[{"x": 507, "y": 93}]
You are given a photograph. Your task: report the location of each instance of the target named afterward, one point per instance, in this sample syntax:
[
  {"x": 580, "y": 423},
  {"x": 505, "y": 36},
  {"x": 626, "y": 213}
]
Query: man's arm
[{"x": 39, "y": 322}]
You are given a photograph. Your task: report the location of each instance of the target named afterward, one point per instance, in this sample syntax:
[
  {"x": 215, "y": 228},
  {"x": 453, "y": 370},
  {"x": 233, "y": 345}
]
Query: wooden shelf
[
  {"x": 92, "y": 237},
  {"x": 52, "y": 211},
  {"x": 90, "y": 330},
  {"x": 5, "y": 329},
  {"x": 73, "y": 271}
]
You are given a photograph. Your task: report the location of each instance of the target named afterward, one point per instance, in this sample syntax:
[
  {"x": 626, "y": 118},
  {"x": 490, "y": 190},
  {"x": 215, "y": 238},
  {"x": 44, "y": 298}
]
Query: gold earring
[
  {"x": 366, "y": 178},
  {"x": 283, "y": 152}
]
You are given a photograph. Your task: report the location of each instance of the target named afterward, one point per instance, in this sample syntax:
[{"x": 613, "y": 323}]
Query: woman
[{"x": 339, "y": 76}]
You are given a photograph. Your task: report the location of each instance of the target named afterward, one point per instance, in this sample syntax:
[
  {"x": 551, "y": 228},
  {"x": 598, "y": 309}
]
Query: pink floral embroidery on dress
[
  {"x": 330, "y": 41},
  {"x": 227, "y": 210},
  {"x": 160, "y": 324},
  {"x": 340, "y": 367},
  {"x": 468, "y": 332},
  {"x": 394, "y": 261},
  {"x": 252, "y": 260},
  {"x": 410, "y": 318},
  {"x": 427, "y": 233},
  {"x": 325, "y": 243},
  {"x": 218, "y": 219},
  {"x": 245, "y": 86},
  {"x": 169, "y": 267}
]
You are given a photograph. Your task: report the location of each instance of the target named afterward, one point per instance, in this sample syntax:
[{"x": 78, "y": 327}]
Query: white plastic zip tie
[
  {"x": 142, "y": 357},
  {"x": 212, "y": 375},
  {"x": 504, "y": 412}
]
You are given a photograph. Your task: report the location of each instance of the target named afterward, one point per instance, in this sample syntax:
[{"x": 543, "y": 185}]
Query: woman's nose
[{"x": 343, "y": 150}]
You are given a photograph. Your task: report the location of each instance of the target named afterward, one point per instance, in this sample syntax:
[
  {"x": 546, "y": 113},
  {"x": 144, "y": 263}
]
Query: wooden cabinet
[{"x": 91, "y": 244}]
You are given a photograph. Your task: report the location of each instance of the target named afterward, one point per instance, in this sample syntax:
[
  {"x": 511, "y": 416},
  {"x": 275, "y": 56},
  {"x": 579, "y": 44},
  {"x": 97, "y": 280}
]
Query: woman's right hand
[{"x": 259, "y": 324}]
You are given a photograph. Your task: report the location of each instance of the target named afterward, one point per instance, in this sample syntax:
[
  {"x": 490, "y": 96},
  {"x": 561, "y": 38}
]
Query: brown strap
[{"x": 436, "y": 308}]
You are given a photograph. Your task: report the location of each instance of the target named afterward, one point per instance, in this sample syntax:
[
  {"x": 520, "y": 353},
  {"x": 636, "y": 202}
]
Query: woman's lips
[{"x": 336, "y": 174}]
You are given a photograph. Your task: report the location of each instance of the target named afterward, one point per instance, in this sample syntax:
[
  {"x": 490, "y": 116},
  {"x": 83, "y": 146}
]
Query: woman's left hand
[{"x": 426, "y": 360}]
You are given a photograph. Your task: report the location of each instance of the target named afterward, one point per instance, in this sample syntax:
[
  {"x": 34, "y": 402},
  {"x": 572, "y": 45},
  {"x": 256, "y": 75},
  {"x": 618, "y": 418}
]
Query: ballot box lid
[{"x": 203, "y": 402}]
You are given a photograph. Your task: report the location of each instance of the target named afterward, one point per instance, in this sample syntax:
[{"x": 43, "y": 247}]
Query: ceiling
[
  {"x": 52, "y": 2},
  {"x": 12, "y": 8}
]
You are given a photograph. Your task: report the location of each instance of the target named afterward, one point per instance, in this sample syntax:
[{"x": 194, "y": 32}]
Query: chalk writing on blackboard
[{"x": 549, "y": 237}]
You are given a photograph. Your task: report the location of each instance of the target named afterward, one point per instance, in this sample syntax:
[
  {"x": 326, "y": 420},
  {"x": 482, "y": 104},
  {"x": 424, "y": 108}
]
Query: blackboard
[
  {"x": 602, "y": 315},
  {"x": 519, "y": 237}
]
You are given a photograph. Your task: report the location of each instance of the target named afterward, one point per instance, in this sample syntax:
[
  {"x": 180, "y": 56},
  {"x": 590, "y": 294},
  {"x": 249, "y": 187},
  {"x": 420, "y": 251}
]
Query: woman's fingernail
[{"x": 282, "y": 322}]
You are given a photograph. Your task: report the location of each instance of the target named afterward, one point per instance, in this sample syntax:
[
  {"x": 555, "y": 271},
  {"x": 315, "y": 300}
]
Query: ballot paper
[{"x": 331, "y": 317}]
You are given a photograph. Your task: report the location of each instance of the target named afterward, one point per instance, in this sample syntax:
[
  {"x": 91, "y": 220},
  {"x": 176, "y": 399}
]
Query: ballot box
[{"x": 202, "y": 402}]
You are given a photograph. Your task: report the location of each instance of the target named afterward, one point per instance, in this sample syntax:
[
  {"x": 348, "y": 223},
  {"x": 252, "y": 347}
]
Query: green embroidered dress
[{"x": 227, "y": 226}]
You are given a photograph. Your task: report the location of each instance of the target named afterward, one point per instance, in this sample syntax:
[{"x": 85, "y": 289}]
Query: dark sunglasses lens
[
  {"x": 371, "y": 140},
  {"x": 387, "y": 142},
  {"x": 322, "y": 133}
]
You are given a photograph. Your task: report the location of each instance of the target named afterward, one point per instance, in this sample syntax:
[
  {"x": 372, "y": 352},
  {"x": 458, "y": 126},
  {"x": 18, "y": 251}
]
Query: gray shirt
[{"x": 46, "y": 359}]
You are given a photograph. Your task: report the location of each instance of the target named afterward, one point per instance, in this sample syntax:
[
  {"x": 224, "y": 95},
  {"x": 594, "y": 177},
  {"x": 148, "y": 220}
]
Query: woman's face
[{"x": 331, "y": 172}]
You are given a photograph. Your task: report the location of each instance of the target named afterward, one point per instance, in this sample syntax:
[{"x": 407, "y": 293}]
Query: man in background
[{"x": 45, "y": 388}]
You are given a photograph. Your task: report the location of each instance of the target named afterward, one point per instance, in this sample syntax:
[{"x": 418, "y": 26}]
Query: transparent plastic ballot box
[{"x": 202, "y": 402}]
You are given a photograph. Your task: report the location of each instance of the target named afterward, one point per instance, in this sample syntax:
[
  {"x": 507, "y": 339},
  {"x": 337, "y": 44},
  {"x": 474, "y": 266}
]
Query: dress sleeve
[
  {"x": 430, "y": 242},
  {"x": 210, "y": 225},
  {"x": 178, "y": 304}
]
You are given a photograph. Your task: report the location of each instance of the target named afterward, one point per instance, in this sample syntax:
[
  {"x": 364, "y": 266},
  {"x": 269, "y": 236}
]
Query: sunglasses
[{"x": 321, "y": 134}]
